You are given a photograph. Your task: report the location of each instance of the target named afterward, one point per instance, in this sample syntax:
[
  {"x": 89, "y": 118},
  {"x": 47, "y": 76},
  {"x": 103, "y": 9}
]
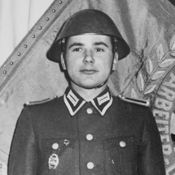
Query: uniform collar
[{"x": 74, "y": 102}]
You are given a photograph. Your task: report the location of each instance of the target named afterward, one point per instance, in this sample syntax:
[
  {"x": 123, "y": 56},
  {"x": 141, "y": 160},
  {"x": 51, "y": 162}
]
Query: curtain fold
[{"x": 16, "y": 19}]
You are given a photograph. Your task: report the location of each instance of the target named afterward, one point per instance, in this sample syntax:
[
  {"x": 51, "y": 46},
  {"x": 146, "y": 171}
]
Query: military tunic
[{"x": 69, "y": 136}]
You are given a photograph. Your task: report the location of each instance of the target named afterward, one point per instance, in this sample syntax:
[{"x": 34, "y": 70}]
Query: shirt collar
[{"x": 74, "y": 102}]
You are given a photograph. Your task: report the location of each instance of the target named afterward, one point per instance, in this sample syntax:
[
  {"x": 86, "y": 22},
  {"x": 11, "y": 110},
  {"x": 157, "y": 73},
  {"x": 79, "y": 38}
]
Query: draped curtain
[{"x": 16, "y": 19}]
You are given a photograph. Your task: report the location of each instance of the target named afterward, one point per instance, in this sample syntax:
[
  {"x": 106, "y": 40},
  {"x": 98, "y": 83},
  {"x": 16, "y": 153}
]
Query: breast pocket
[
  {"x": 55, "y": 153},
  {"x": 121, "y": 155}
]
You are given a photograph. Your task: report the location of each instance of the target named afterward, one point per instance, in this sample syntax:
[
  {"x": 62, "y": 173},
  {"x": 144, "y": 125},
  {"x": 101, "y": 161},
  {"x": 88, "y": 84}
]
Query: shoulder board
[
  {"x": 135, "y": 101},
  {"x": 40, "y": 102}
]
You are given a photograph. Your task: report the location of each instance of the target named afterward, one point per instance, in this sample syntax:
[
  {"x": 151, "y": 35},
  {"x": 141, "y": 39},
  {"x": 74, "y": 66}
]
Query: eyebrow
[
  {"x": 76, "y": 44},
  {"x": 81, "y": 44},
  {"x": 100, "y": 43}
]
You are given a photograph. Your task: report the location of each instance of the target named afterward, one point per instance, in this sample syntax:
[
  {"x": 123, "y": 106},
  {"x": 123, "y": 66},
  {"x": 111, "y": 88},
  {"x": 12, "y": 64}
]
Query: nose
[{"x": 88, "y": 57}]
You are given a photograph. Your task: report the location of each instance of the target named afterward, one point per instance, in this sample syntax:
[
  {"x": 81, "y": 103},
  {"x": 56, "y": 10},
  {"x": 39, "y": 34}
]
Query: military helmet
[{"x": 88, "y": 21}]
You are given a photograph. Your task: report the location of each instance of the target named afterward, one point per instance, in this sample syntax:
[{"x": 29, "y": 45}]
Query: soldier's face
[{"x": 89, "y": 59}]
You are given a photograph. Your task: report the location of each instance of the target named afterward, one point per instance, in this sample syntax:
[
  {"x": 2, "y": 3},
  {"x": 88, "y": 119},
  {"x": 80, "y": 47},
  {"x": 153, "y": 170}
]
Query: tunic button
[
  {"x": 89, "y": 137},
  {"x": 89, "y": 111},
  {"x": 55, "y": 146},
  {"x": 122, "y": 144},
  {"x": 90, "y": 165}
]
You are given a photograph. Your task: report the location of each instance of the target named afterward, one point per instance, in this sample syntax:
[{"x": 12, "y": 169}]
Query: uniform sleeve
[
  {"x": 151, "y": 155},
  {"x": 23, "y": 156}
]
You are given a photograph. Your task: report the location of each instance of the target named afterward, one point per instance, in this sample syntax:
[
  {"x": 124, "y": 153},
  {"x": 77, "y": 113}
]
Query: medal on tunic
[{"x": 53, "y": 161}]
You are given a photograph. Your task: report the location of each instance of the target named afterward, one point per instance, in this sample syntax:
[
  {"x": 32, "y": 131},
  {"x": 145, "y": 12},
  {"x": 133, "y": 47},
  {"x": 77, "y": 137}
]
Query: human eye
[
  {"x": 77, "y": 49},
  {"x": 99, "y": 49}
]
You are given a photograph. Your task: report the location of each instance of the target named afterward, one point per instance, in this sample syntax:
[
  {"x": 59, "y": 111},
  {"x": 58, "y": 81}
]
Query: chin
[
  {"x": 96, "y": 86},
  {"x": 89, "y": 85}
]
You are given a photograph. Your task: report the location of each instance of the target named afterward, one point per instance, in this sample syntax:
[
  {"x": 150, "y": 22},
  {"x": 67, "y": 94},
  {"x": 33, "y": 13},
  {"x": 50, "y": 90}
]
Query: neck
[{"x": 89, "y": 94}]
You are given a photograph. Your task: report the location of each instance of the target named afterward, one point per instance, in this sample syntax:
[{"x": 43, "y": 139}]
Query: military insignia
[
  {"x": 66, "y": 142},
  {"x": 53, "y": 161},
  {"x": 39, "y": 102},
  {"x": 135, "y": 101}
]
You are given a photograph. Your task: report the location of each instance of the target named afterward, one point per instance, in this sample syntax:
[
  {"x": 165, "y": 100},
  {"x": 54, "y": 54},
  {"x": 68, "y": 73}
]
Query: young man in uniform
[{"x": 87, "y": 131}]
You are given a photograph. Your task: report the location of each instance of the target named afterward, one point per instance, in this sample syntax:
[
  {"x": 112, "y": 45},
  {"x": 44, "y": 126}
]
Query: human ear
[
  {"x": 115, "y": 61},
  {"x": 63, "y": 62}
]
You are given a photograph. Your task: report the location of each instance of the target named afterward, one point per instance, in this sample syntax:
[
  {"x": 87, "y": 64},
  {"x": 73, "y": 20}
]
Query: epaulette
[
  {"x": 135, "y": 101},
  {"x": 40, "y": 101}
]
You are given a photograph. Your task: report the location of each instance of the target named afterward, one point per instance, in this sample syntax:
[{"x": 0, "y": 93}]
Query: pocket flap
[
  {"x": 57, "y": 143},
  {"x": 120, "y": 142}
]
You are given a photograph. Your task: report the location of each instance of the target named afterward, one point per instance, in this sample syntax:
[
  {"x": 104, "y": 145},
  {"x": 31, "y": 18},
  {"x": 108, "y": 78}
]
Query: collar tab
[
  {"x": 74, "y": 102},
  {"x": 103, "y": 101}
]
